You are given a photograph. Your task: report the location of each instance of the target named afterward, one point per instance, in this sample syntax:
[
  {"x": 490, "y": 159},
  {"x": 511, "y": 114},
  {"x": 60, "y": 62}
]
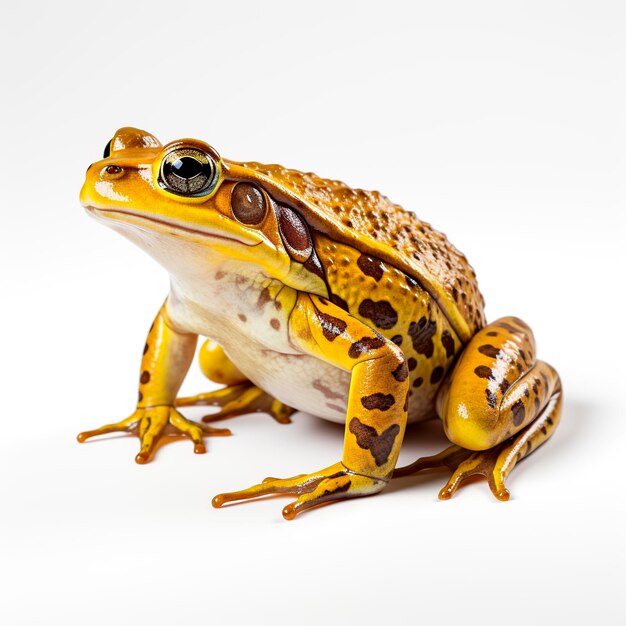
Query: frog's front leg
[
  {"x": 166, "y": 358},
  {"x": 377, "y": 408},
  {"x": 498, "y": 405}
]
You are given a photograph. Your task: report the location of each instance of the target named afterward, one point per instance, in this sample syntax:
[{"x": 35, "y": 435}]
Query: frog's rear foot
[
  {"x": 464, "y": 464},
  {"x": 494, "y": 464},
  {"x": 239, "y": 399}
]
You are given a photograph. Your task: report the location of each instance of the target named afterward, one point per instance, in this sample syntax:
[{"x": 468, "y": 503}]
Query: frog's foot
[
  {"x": 464, "y": 464},
  {"x": 239, "y": 399},
  {"x": 332, "y": 484},
  {"x": 496, "y": 463},
  {"x": 154, "y": 425}
]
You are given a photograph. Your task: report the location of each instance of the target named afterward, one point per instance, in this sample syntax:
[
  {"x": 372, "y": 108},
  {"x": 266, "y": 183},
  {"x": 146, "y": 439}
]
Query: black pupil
[{"x": 186, "y": 167}]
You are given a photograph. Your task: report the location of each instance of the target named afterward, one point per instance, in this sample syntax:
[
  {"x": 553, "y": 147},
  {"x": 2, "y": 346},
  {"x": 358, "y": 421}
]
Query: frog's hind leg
[
  {"x": 239, "y": 396},
  {"x": 497, "y": 406}
]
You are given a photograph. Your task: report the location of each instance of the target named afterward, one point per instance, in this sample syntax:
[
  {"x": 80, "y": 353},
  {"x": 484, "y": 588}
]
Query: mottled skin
[{"x": 322, "y": 298}]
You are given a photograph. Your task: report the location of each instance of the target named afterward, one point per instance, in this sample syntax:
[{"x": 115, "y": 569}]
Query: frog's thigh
[
  {"x": 496, "y": 388},
  {"x": 377, "y": 400},
  {"x": 216, "y": 366}
]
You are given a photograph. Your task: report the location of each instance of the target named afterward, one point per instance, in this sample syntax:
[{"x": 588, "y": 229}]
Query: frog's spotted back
[{"x": 376, "y": 225}]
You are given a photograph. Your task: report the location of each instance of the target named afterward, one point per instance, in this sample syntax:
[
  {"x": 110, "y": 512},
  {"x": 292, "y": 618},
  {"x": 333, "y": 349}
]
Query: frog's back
[{"x": 372, "y": 224}]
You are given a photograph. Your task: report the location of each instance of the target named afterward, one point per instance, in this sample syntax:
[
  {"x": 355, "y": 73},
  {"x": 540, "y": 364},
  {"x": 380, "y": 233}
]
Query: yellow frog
[{"x": 321, "y": 298}]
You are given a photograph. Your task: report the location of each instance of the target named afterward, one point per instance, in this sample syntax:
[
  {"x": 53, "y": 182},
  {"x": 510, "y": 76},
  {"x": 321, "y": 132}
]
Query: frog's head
[{"x": 184, "y": 196}]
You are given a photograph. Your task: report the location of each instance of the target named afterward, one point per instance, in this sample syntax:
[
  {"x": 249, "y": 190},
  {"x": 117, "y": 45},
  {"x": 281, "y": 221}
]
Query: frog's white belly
[
  {"x": 298, "y": 380},
  {"x": 254, "y": 333}
]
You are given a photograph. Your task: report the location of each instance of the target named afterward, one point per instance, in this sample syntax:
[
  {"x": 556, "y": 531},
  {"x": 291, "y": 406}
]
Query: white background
[{"x": 501, "y": 123}]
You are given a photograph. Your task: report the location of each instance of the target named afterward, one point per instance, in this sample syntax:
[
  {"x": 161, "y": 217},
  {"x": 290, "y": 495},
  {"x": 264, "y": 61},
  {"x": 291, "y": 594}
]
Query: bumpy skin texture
[
  {"x": 372, "y": 224},
  {"x": 322, "y": 298}
]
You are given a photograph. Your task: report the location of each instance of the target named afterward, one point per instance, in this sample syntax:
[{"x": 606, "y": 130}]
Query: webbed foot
[
  {"x": 154, "y": 425},
  {"x": 332, "y": 484}
]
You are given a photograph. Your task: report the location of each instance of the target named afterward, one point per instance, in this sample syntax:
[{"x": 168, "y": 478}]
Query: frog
[{"x": 313, "y": 296}]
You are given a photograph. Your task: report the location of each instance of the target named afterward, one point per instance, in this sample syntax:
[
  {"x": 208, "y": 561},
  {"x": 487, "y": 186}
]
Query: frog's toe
[
  {"x": 127, "y": 425},
  {"x": 312, "y": 490},
  {"x": 240, "y": 399}
]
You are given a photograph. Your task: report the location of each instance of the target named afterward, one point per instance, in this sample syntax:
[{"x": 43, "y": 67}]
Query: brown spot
[
  {"x": 491, "y": 398},
  {"x": 332, "y": 327},
  {"x": 508, "y": 327},
  {"x": 406, "y": 401},
  {"x": 275, "y": 324},
  {"x": 330, "y": 492},
  {"x": 327, "y": 391},
  {"x": 489, "y": 350},
  {"x": 412, "y": 364},
  {"x": 370, "y": 267},
  {"x": 294, "y": 233},
  {"x": 264, "y": 298},
  {"x": 335, "y": 407},
  {"x": 146, "y": 348},
  {"x": 340, "y": 302},
  {"x": 380, "y": 401},
  {"x": 219, "y": 275},
  {"x": 401, "y": 372},
  {"x": 447, "y": 341},
  {"x": 248, "y": 203},
  {"x": 364, "y": 345},
  {"x": 492, "y": 333},
  {"x": 140, "y": 397},
  {"x": 436, "y": 375},
  {"x": 242, "y": 317},
  {"x": 519, "y": 412},
  {"x": 421, "y": 334},
  {"x": 418, "y": 382},
  {"x": 381, "y": 313},
  {"x": 278, "y": 305},
  {"x": 536, "y": 403},
  {"x": 368, "y": 438},
  {"x": 145, "y": 377},
  {"x": 526, "y": 393},
  {"x": 549, "y": 421},
  {"x": 397, "y": 339},
  {"x": 543, "y": 429},
  {"x": 504, "y": 386},
  {"x": 482, "y": 371},
  {"x": 520, "y": 369},
  {"x": 523, "y": 355}
]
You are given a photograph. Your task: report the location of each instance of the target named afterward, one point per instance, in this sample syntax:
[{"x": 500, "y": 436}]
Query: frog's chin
[{"x": 120, "y": 218}]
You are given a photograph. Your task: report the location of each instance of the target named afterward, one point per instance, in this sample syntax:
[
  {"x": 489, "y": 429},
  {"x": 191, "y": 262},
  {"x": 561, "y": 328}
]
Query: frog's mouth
[{"x": 165, "y": 226}]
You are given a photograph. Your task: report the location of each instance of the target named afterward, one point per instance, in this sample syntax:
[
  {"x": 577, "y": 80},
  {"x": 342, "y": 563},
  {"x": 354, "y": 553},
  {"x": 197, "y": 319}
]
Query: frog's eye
[
  {"x": 107, "y": 150},
  {"x": 188, "y": 172},
  {"x": 248, "y": 203}
]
